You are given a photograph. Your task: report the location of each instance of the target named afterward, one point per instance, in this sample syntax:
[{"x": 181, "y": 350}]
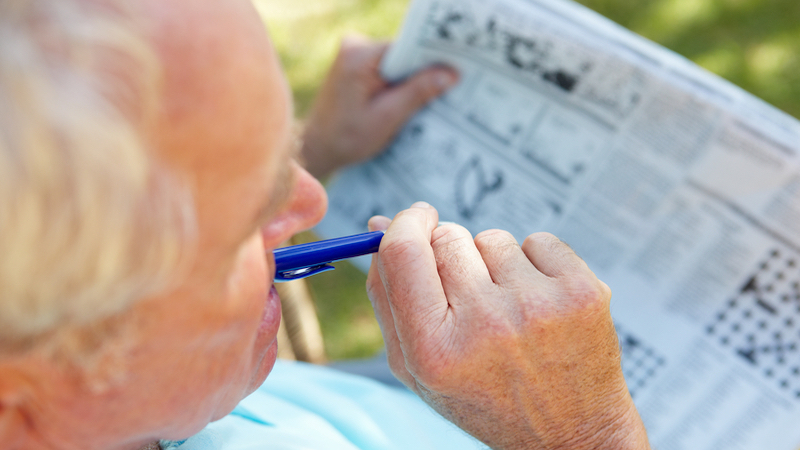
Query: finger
[
  {"x": 383, "y": 313},
  {"x": 379, "y": 223},
  {"x": 505, "y": 261},
  {"x": 398, "y": 103},
  {"x": 461, "y": 267},
  {"x": 357, "y": 52},
  {"x": 364, "y": 45},
  {"x": 553, "y": 257},
  {"x": 407, "y": 267}
]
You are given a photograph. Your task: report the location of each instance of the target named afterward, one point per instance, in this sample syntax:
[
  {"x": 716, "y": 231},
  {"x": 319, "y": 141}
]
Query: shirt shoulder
[{"x": 303, "y": 406}]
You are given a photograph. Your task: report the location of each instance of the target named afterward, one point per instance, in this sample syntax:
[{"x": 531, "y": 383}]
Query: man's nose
[{"x": 307, "y": 205}]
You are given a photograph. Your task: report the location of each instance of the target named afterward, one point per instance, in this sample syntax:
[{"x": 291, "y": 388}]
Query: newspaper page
[{"x": 681, "y": 191}]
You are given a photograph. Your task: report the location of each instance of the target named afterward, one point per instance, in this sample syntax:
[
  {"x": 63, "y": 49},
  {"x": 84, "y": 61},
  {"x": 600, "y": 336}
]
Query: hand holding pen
[
  {"x": 468, "y": 321},
  {"x": 514, "y": 343}
]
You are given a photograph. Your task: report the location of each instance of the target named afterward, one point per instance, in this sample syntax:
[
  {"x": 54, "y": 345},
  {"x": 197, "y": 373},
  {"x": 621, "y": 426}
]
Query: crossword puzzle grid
[
  {"x": 640, "y": 362},
  {"x": 760, "y": 323}
]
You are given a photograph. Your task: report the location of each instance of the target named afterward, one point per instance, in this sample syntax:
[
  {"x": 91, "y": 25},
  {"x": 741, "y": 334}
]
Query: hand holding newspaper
[{"x": 679, "y": 190}]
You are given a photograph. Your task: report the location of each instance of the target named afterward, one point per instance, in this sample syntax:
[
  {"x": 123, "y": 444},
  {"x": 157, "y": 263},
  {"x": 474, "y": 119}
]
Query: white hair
[{"x": 89, "y": 220}]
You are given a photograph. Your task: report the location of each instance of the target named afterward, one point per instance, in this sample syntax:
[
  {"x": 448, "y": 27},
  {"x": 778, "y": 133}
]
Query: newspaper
[{"x": 681, "y": 191}]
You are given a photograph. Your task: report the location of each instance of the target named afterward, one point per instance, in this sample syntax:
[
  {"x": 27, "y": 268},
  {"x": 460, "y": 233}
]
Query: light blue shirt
[{"x": 302, "y": 406}]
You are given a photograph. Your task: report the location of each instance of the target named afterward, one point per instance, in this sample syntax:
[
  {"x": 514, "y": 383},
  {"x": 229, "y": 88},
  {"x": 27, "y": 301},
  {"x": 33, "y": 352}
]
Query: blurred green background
[{"x": 753, "y": 43}]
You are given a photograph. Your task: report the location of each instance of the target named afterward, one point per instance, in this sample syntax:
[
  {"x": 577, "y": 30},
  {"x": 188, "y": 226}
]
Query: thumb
[{"x": 400, "y": 102}]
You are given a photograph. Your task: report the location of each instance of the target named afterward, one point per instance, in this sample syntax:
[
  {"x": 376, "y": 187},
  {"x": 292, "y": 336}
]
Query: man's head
[{"x": 147, "y": 160}]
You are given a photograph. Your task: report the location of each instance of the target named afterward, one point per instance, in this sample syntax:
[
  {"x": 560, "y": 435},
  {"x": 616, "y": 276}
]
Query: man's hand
[
  {"x": 514, "y": 344},
  {"x": 357, "y": 113}
]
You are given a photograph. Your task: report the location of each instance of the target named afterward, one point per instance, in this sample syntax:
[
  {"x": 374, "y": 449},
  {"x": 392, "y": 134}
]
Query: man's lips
[{"x": 272, "y": 312}]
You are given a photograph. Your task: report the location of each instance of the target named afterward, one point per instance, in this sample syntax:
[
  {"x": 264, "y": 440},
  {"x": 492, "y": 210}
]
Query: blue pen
[{"x": 304, "y": 260}]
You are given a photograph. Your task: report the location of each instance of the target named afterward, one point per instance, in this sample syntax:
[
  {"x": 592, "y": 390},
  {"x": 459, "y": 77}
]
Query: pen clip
[{"x": 296, "y": 274}]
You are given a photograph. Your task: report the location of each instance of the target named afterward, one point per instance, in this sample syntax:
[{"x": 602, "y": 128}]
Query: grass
[{"x": 753, "y": 43}]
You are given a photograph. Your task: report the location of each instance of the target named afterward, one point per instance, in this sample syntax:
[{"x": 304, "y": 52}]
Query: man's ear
[{"x": 14, "y": 428}]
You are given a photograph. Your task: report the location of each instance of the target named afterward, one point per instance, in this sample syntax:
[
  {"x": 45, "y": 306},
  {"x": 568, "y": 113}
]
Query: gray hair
[{"x": 89, "y": 220}]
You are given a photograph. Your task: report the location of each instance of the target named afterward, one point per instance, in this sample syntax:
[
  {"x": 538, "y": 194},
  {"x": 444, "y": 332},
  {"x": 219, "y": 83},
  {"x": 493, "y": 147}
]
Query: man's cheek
[{"x": 250, "y": 280}]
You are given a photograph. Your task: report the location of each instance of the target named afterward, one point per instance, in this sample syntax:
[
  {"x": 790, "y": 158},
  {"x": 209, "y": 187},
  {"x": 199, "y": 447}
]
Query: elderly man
[{"x": 147, "y": 171}]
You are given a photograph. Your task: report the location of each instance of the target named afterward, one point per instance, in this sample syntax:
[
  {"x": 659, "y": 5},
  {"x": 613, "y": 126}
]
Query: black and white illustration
[
  {"x": 535, "y": 51},
  {"x": 474, "y": 186},
  {"x": 497, "y": 36},
  {"x": 761, "y": 322},
  {"x": 495, "y": 108},
  {"x": 564, "y": 145}
]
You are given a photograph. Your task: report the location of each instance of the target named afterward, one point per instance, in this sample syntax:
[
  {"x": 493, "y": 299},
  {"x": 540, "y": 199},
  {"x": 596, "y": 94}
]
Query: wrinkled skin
[{"x": 514, "y": 344}]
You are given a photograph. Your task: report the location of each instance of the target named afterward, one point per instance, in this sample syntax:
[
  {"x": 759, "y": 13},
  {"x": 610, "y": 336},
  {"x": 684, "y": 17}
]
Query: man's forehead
[
  {"x": 222, "y": 82},
  {"x": 206, "y": 46},
  {"x": 227, "y": 111}
]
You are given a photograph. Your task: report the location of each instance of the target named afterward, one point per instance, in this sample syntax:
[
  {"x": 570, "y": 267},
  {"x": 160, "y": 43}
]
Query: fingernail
[
  {"x": 421, "y": 205},
  {"x": 379, "y": 223},
  {"x": 447, "y": 223},
  {"x": 445, "y": 80}
]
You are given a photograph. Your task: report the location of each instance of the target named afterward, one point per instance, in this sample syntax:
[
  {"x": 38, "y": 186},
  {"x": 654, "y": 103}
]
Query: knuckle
[
  {"x": 357, "y": 52},
  {"x": 349, "y": 58},
  {"x": 450, "y": 262},
  {"x": 546, "y": 241},
  {"x": 349, "y": 135},
  {"x": 496, "y": 246},
  {"x": 586, "y": 292},
  {"x": 495, "y": 238},
  {"x": 603, "y": 289},
  {"x": 445, "y": 236},
  {"x": 351, "y": 45},
  {"x": 416, "y": 215},
  {"x": 386, "y": 117},
  {"x": 555, "y": 249},
  {"x": 421, "y": 89},
  {"x": 428, "y": 89},
  {"x": 453, "y": 249},
  {"x": 398, "y": 250}
]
